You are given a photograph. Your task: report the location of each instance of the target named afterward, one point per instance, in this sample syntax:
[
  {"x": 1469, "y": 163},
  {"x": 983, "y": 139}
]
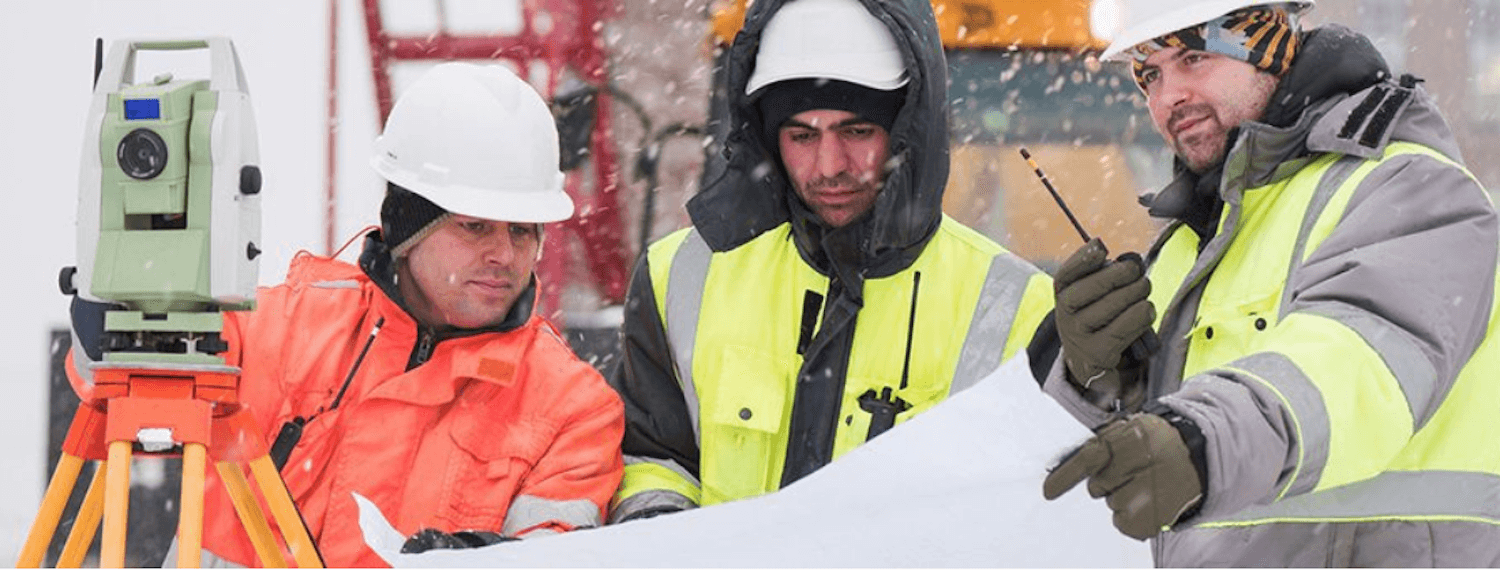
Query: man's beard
[
  {"x": 1200, "y": 150},
  {"x": 1211, "y": 147}
]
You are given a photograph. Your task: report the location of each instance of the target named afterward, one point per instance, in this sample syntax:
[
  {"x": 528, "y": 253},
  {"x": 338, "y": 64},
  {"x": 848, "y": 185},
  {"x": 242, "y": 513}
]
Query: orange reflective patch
[{"x": 498, "y": 371}]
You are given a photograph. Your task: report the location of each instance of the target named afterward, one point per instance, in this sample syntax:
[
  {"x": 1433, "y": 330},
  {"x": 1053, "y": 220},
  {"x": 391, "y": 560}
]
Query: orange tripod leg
[
  {"x": 280, "y": 500},
  {"x": 53, "y": 503},
  {"x": 190, "y": 518},
  {"x": 250, "y": 514},
  {"x": 116, "y": 505},
  {"x": 89, "y": 513}
]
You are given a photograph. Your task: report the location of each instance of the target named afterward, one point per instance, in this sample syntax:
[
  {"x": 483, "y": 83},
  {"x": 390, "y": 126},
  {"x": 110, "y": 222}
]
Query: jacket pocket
[
  {"x": 742, "y": 421},
  {"x": 1227, "y": 331},
  {"x": 490, "y": 460}
]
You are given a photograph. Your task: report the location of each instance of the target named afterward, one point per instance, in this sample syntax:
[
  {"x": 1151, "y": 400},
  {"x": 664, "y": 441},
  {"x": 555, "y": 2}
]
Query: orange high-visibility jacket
[{"x": 505, "y": 432}]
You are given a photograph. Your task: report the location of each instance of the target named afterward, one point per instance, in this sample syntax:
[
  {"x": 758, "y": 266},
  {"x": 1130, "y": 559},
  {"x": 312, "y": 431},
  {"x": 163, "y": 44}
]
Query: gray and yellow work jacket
[
  {"x": 1336, "y": 342},
  {"x": 718, "y": 396}
]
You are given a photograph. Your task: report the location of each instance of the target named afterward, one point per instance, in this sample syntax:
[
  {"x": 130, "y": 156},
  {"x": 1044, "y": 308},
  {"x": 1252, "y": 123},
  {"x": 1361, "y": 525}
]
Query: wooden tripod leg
[
  {"x": 53, "y": 503},
  {"x": 89, "y": 513},
  {"x": 250, "y": 514},
  {"x": 116, "y": 505},
  {"x": 287, "y": 518},
  {"x": 190, "y": 518}
]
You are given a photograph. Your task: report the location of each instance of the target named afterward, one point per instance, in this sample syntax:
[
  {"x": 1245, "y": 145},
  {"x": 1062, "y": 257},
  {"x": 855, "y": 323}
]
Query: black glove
[
  {"x": 1150, "y": 466},
  {"x": 649, "y": 513},
  {"x": 428, "y": 539},
  {"x": 1102, "y": 308}
]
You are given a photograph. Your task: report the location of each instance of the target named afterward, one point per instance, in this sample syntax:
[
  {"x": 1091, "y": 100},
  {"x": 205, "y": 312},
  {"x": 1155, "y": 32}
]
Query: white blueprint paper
[{"x": 959, "y": 486}]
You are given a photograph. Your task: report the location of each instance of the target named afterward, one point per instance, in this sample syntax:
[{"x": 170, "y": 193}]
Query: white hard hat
[
  {"x": 1144, "y": 20},
  {"x": 476, "y": 140},
  {"x": 832, "y": 39}
]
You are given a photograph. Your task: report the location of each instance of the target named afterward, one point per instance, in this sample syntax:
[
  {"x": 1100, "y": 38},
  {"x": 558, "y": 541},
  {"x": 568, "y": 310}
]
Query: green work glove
[
  {"x": 1144, "y": 467},
  {"x": 1103, "y": 307}
]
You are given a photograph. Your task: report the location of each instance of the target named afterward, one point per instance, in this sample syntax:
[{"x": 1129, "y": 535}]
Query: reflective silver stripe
[
  {"x": 685, "y": 282},
  {"x": 340, "y": 284},
  {"x": 528, "y": 511},
  {"x": 999, "y": 301},
  {"x": 1305, "y": 402},
  {"x": 650, "y": 500},
  {"x": 667, "y": 463},
  {"x": 1410, "y": 365},
  {"x": 1393, "y": 495},
  {"x": 1328, "y": 185}
]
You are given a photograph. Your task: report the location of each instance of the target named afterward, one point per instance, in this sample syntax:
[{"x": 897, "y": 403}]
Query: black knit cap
[
  {"x": 406, "y": 217},
  {"x": 779, "y": 101}
]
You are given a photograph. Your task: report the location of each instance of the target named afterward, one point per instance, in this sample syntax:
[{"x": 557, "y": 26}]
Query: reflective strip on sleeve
[
  {"x": 684, "y": 301},
  {"x": 1390, "y": 496},
  {"x": 999, "y": 301},
  {"x": 644, "y": 475},
  {"x": 650, "y": 501},
  {"x": 529, "y": 511},
  {"x": 1407, "y": 362},
  {"x": 1372, "y": 418},
  {"x": 1303, "y": 403},
  {"x": 340, "y": 284}
]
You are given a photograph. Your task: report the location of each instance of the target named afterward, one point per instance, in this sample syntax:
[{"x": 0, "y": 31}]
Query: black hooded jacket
[{"x": 752, "y": 196}]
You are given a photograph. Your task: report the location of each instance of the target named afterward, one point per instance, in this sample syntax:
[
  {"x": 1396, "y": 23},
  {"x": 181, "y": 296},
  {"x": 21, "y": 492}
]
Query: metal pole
[{"x": 330, "y": 182}]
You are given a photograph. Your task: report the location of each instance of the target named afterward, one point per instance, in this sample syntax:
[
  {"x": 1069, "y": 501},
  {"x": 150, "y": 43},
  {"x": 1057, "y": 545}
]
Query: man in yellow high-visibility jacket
[
  {"x": 1327, "y": 390},
  {"x": 821, "y": 296}
]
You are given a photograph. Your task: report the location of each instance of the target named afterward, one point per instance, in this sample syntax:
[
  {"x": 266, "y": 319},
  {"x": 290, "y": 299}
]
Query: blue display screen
[{"x": 142, "y": 109}]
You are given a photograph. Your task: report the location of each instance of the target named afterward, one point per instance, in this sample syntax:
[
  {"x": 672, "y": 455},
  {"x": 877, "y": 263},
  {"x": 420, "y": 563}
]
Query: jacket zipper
[
  {"x": 885, "y": 405},
  {"x": 426, "y": 339}
]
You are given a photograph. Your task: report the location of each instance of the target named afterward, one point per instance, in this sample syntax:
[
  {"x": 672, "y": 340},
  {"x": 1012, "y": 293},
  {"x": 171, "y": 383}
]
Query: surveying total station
[{"x": 168, "y": 225}]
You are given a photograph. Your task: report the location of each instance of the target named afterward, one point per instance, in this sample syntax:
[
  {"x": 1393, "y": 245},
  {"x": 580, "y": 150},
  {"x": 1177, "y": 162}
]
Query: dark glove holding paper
[
  {"x": 1102, "y": 308},
  {"x": 428, "y": 539}
]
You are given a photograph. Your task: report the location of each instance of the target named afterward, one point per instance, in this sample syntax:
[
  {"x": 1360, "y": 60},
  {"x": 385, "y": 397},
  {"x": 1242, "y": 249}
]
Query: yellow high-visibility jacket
[{"x": 710, "y": 401}]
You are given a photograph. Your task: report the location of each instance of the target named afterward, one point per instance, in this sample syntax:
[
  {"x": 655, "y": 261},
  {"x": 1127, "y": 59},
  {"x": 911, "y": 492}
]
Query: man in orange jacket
[{"x": 421, "y": 379}]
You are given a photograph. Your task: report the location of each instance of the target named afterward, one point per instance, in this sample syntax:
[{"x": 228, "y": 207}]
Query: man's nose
[
  {"x": 1172, "y": 91},
  {"x": 833, "y": 156},
  {"x": 499, "y": 248}
]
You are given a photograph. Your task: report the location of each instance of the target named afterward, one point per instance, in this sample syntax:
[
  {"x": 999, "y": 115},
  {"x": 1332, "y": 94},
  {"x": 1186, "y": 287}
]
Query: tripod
[{"x": 159, "y": 407}]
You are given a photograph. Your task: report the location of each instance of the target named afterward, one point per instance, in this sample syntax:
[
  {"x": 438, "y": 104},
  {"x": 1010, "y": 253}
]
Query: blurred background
[{"x": 634, "y": 86}]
